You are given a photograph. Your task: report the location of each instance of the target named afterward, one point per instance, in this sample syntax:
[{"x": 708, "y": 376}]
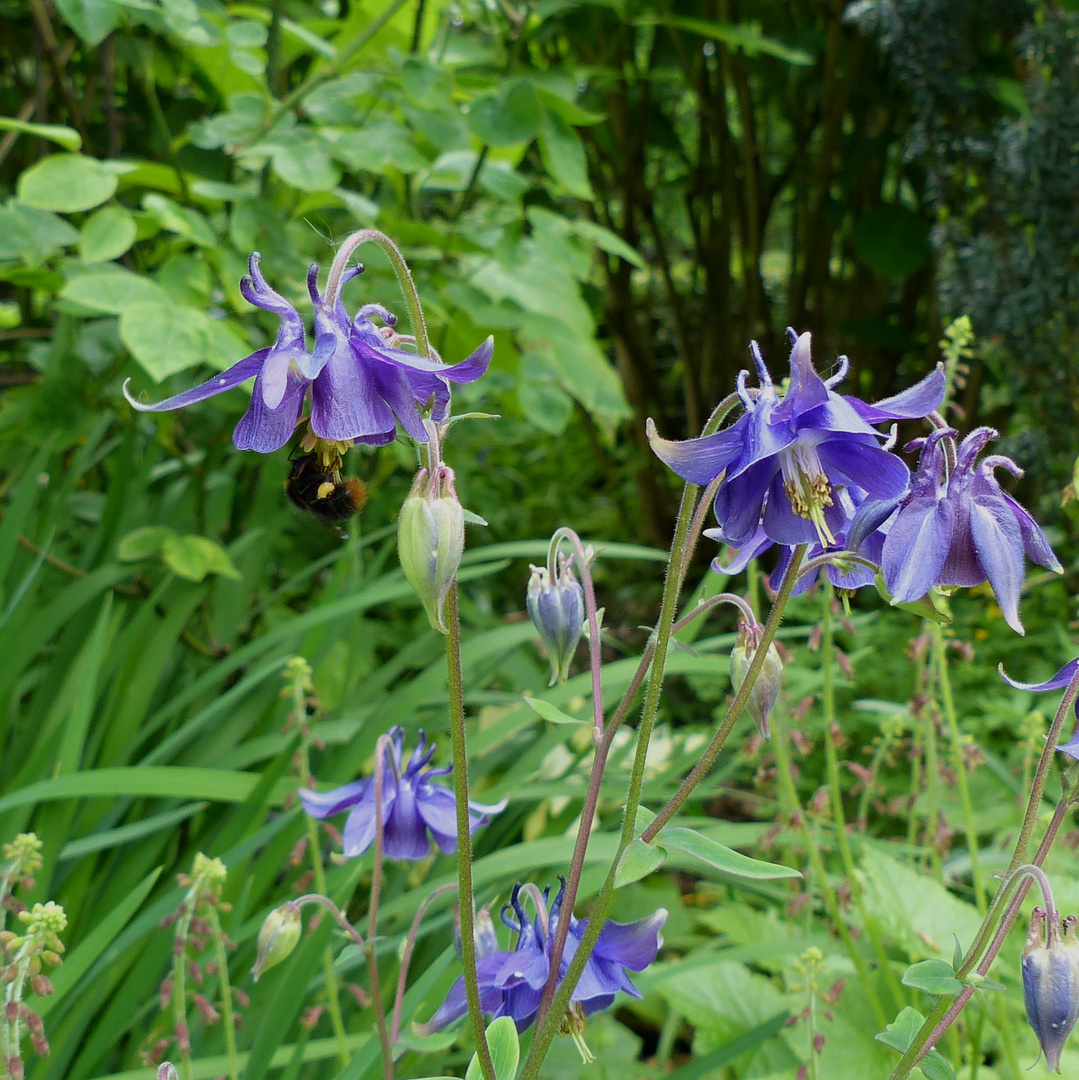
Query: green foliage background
[{"x": 624, "y": 194}]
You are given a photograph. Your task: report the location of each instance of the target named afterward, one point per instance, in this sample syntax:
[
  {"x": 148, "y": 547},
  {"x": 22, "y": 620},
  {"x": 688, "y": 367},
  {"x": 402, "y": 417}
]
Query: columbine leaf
[
  {"x": 638, "y": 861},
  {"x": 933, "y": 976},
  {"x": 505, "y": 1051},
  {"x": 551, "y": 713},
  {"x": 721, "y": 858}
]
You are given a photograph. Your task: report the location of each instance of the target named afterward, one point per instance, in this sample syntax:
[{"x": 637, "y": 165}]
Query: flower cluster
[
  {"x": 511, "y": 982},
  {"x": 412, "y": 806},
  {"x": 811, "y": 468},
  {"x": 359, "y": 382},
  {"x": 796, "y": 467}
]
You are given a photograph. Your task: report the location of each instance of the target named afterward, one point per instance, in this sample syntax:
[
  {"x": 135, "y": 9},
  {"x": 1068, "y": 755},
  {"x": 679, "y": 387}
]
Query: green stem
[
  {"x": 179, "y": 990},
  {"x": 789, "y": 794},
  {"x": 835, "y": 792},
  {"x": 932, "y": 779},
  {"x": 676, "y": 564},
  {"x": 333, "y": 993},
  {"x": 400, "y": 268},
  {"x": 734, "y": 710},
  {"x": 372, "y": 914},
  {"x": 923, "y": 1041},
  {"x": 227, "y": 1021},
  {"x": 959, "y": 765},
  {"x": 464, "y": 833}
]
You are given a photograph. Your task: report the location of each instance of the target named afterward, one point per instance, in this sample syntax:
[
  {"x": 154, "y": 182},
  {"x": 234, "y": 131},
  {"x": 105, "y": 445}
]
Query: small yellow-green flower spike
[
  {"x": 208, "y": 875},
  {"x": 44, "y": 920},
  {"x": 24, "y": 852}
]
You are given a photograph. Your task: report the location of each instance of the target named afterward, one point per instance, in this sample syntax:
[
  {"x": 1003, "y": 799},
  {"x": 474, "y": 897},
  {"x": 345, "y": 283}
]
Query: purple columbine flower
[
  {"x": 412, "y": 806},
  {"x": 511, "y": 983},
  {"x": 360, "y": 384},
  {"x": 785, "y": 460},
  {"x": 958, "y": 527},
  {"x": 1057, "y": 682}
]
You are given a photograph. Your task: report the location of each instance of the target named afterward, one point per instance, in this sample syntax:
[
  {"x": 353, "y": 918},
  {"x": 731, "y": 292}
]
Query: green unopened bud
[
  {"x": 278, "y": 937},
  {"x": 431, "y": 540},
  {"x": 762, "y": 697},
  {"x": 1051, "y": 982}
]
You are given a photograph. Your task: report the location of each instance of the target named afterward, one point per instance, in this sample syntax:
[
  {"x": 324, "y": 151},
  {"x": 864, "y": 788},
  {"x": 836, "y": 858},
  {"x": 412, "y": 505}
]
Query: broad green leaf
[
  {"x": 892, "y": 241},
  {"x": 638, "y": 861},
  {"x": 112, "y": 291},
  {"x": 606, "y": 240},
  {"x": 66, "y": 137},
  {"x": 427, "y": 84},
  {"x": 563, "y": 155},
  {"x": 721, "y": 858},
  {"x": 899, "y": 1034},
  {"x": 550, "y": 712},
  {"x": 182, "y": 220},
  {"x": 505, "y": 1047},
  {"x": 570, "y": 111},
  {"x": 165, "y": 338},
  {"x": 507, "y": 118},
  {"x": 66, "y": 183},
  {"x": 92, "y": 20},
  {"x": 705, "y": 1065},
  {"x": 746, "y": 37},
  {"x": 933, "y": 976},
  {"x": 544, "y": 404},
  {"x": 144, "y": 542},
  {"x": 106, "y": 235},
  {"x": 935, "y": 1066},
  {"x": 193, "y": 557},
  {"x": 32, "y": 235}
]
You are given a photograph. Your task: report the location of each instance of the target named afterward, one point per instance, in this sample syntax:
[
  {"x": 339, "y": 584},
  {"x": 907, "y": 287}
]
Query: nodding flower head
[
  {"x": 958, "y": 527},
  {"x": 511, "y": 982},
  {"x": 788, "y": 465},
  {"x": 359, "y": 381},
  {"x": 765, "y": 691},
  {"x": 556, "y": 607},
  {"x": 1051, "y": 981},
  {"x": 414, "y": 809}
]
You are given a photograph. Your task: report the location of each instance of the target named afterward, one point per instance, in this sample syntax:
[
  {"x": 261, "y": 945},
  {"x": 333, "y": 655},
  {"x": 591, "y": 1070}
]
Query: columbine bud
[
  {"x": 557, "y": 612},
  {"x": 277, "y": 938},
  {"x": 431, "y": 539},
  {"x": 762, "y": 697},
  {"x": 1051, "y": 982}
]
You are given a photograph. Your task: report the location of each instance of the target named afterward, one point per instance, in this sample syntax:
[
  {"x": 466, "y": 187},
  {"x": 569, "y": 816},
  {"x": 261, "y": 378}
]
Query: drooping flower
[
  {"x": 958, "y": 527},
  {"x": 511, "y": 982},
  {"x": 555, "y": 605},
  {"x": 1057, "y": 682},
  {"x": 1051, "y": 981},
  {"x": 360, "y": 383},
  {"x": 784, "y": 461},
  {"x": 412, "y": 806}
]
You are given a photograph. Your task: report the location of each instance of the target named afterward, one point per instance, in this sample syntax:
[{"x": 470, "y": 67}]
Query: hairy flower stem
[
  {"x": 372, "y": 917},
  {"x": 228, "y": 1023},
  {"x": 400, "y": 268},
  {"x": 549, "y": 1021},
  {"x": 959, "y": 765},
  {"x": 994, "y": 928},
  {"x": 406, "y": 958},
  {"x": 734, "y": 710},
  {"x": 835, "y": 791},
  {"x": 464, "y": 833}
]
